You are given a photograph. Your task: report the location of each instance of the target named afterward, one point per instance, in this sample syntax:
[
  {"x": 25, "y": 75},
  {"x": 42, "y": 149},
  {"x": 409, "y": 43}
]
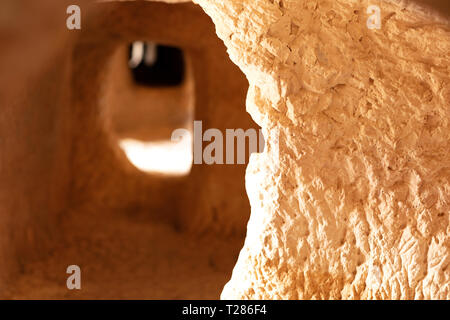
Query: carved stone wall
[{"x": 357, "y": 204}]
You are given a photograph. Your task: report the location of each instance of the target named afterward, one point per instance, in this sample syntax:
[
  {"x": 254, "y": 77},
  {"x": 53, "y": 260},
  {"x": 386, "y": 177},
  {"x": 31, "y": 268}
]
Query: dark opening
[{"x": 156, "y": 65}]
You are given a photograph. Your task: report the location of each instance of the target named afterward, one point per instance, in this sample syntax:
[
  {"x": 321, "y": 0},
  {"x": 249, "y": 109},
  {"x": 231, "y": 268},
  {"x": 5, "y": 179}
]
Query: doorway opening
[{"x": 151, "y": 96}]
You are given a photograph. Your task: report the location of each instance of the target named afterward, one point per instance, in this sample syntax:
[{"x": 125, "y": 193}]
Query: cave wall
[
  {"x": 353, "y": 198},
  {"x": 34, "y": 134}
]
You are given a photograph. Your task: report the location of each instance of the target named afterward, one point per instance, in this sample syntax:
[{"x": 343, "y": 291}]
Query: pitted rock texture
[{"x": 352, "y": 200}]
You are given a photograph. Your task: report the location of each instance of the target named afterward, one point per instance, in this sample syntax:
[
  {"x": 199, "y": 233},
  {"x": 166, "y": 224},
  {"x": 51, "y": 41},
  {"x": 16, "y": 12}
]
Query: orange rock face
[{"x": 357, "y": 206}]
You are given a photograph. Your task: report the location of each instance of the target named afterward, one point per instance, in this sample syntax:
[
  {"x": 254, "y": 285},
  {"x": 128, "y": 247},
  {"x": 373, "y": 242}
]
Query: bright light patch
[{"x": 169, "y": 157}]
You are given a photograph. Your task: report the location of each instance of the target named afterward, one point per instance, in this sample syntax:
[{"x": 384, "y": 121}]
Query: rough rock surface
[
  {"x": 68, "y": 195},
  {"x": 358, "y": 204}
]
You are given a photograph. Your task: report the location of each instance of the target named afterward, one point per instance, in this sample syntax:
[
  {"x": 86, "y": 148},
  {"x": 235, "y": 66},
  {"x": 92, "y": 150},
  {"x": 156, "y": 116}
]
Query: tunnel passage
[
  {"x": 150, "y": 94},
  {"x": 217, "y": 101},
  {"x": 139, "y": 234}
]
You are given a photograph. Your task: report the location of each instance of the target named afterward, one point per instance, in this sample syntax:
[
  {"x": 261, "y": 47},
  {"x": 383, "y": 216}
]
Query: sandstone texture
[{"x": 355, "y": 201}]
